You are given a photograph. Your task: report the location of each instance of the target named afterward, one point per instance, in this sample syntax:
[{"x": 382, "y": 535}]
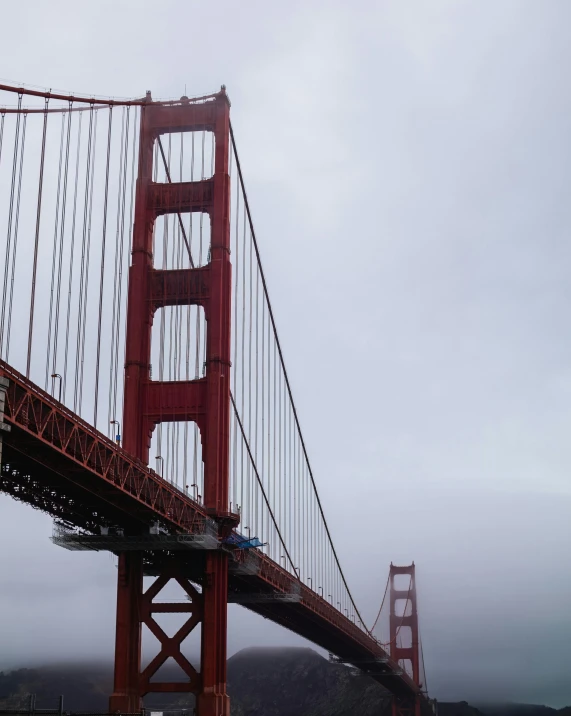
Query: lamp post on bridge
[
  {"x": 162, "y": 464},
  {"x": 118, "y": 434},
  {"x": 54, "y": 376}
]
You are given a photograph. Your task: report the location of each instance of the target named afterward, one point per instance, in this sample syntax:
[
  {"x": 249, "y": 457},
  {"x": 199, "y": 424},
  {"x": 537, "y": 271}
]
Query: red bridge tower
[
  {"x": 205, "y": 401},
  {"x": 404, "y": 631}
]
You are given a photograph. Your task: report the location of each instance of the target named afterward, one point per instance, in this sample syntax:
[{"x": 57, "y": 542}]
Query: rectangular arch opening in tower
[
  {"x": 176, "y": 455},
  {"x": 178, "y": 343},
  {"x": 178, "y": 353},
  {"x": 183, "y": 156},
  {"x": 403, "y": 607},
  {"x": 181, "y": 240}
]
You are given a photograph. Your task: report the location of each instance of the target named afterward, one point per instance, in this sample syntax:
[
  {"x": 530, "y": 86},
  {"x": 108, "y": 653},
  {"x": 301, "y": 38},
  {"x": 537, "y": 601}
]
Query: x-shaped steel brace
[{"x": 170, "y": 646}]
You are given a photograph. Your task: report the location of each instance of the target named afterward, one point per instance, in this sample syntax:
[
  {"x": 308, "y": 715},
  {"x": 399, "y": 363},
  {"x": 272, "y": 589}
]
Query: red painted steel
[
  {"x": 170, "y": 646},
  {"x": 175, "y": 287},
  {"x": 176, "y": 400},
  {"x": 205, "y": 401},
  {"x": 406, "y": 656},
  {"x": 63, "y": 442}
]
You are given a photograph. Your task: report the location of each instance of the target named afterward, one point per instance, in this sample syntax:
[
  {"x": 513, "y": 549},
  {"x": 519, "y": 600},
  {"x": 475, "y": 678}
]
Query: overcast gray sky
[{"x": 409, "y": 169}]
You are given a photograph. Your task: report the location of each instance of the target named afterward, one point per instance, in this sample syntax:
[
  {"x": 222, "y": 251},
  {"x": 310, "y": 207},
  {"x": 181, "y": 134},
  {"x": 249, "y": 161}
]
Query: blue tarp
[{"x": 243, "y": 542}]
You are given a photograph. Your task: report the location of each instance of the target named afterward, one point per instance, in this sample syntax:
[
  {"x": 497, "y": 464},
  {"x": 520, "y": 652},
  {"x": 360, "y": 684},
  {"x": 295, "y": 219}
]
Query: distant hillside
[
  {"x": 296, "y": 682},
  {"x": 261, "y": 682},
  {"x": 459, "y": 709},
  {"x": 84, "y": 686},
  {"x": 509, "y": 709}
]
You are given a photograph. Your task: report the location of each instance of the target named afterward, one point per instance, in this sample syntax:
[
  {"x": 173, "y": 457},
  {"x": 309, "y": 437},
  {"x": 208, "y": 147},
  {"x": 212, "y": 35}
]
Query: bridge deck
[{"x": 56, "y": 462}]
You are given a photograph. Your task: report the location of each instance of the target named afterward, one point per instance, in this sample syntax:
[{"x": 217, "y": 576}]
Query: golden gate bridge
[{"x": 144, "y": 399}]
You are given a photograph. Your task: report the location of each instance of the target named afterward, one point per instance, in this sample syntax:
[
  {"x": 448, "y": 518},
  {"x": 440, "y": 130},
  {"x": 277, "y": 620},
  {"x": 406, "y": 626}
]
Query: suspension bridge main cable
[
  {"x": 260, "y": 482},
  {"x": 286, "y": 378},
  {"x": 105, "y": 101},
  {"x": 382, "y": 603},
  {"x": 424, "y": 680}
]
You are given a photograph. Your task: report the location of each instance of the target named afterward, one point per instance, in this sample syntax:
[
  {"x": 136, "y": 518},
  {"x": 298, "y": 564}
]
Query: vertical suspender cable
[
  {"x": 121, "y": 262},
  {"x": 61, "y": 243},
  {"x": 274, "y": 440},
  {"x": 37, "y": 235},
  {"x": 186, "y": 357},
  {"x": 117, "y": 282},
  {"x": 263, "y": 408},
  {"x": 102, "y": 274},
  {"x": 269, "y": 427},
  {"x": 54, "y": 254},
  {"x": 10, "y": 216},
  {"x": 16, "y": 225},
  {"x": 168, "y": 312},
  {"x": 243, "y": 358},
  {"x": 82, "y": 260},
  {"x": 71, "y": 257},
  {"x": 178, "y": 318},
  {"x": 256, "y": 389},
  {"x": 90, "y": 162},
  {"x": 2, "y": 118},
  {"x": 197, "y": 327},
  {"x": 87, "y": 258},
  {"x": 161, "y": 356},
  {"x": 236, "y": 268},
  {"x": 250, "y": 390},
  {"x": 114, "y": 336},
  {"x": 131, "y": 209}
]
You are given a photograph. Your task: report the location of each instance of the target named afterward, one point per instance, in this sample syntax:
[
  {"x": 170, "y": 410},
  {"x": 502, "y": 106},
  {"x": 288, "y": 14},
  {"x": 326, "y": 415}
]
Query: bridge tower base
[
  {"x": 136, "y": 607},
  {"x": 205, "y": 401},
  {"x": 126, "y": 696}
]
